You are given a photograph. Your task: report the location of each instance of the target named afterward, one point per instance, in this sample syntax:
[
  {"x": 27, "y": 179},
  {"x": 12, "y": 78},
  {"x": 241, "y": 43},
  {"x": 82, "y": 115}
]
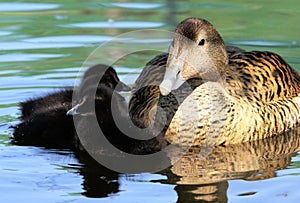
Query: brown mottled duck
[{"x": 204, "y": 92}]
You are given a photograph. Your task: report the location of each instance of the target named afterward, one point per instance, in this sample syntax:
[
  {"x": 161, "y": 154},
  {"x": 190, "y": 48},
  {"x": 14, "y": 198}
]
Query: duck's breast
[{"x": 201, "y": 117}]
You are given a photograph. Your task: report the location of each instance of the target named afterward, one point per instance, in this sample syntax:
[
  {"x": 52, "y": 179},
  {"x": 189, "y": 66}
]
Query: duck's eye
[{"x": 202, "y": 41}]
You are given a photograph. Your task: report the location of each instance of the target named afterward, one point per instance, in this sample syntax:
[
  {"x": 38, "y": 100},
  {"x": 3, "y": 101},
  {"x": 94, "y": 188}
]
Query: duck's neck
[
  {"x": 214, "y": 71},
  {"x": 220, "y": 63}
]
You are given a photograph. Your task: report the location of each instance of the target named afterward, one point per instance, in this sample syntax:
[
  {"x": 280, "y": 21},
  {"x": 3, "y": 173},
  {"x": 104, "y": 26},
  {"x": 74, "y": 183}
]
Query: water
[{"x": 43, "y": 45}]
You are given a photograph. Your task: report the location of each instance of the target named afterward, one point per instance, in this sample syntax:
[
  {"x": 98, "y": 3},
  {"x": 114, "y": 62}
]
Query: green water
[{"x": 43, "y": 45}]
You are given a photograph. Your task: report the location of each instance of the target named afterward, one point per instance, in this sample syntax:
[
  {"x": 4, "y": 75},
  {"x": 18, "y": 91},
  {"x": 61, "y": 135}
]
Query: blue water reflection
[
  {"x": 117, "y": 24},
  {"x": 18, "y": 6},
  {"x": 43, "y": 47}
]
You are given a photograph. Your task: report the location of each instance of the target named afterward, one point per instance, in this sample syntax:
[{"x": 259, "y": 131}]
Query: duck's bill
[
  {"x": 73, "y": 111},
  {"x": 172, "y": 81},
  {"x": 80, "y": 110},
  {"x": 122, "y": 87}
]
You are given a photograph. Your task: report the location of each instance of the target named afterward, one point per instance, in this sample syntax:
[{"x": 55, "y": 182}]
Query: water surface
[{"x": 43, "y": 45}]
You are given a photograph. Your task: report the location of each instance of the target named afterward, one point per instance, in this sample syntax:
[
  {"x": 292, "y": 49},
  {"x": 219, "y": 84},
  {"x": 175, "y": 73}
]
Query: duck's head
[
  {"x": 97, "y": 87},
  {"x": 100, "y": 104},
  {"x": 107, "y": 75},
  {"x": 197, "y": 51}
]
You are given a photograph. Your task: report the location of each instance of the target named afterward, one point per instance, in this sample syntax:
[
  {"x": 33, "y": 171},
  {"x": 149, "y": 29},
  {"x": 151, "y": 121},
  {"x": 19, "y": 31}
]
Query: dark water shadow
[
  {"x": 205, "y": 179},
  {"x": 98, "y": 181}
]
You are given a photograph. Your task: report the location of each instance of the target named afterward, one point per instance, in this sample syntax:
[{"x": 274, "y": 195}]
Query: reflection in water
[
  {"x": 202, "y": 193},
  {"x": 38, "y": 45},
  {"x": 206, "y": 179},
  {"x": 17, "y": 6},
  {"x": 121, "y": 24},
  {"x": 98, "y": 180},
  {"x": 136, "y": 5}
]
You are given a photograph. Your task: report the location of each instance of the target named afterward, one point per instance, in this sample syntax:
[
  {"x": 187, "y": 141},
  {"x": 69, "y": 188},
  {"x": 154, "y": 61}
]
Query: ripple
[
  {"x": 16, "y": 57},
  {"x": 92, "y": 39},
  {"x": 151, "y": 40},
  {"x": 25, "y": 45},
  {"x": 264, "y": 43},
  {"x": 8, "y": 111},
  {"x": 138, "y": 5},
  {"x": 8, "y": 7},
  {"x": 119, "y": 24},
  {"x": 221, "y": 6},
  {"x": 4, "y": 33},
  {"x": 70, "y": 38},
  {"x": 8, "y": 72},
  {"x": 247, "y": 194},
  {"x": 16, "y": 82}
]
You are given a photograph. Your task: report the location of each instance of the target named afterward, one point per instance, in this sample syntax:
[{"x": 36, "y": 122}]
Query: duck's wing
[
  {"x": 261, "y": 76},
  {"x": 145, "y": 93},
  {"x": 263, "y": 97},
  {"x": 61, "y": 99},
  {"x": 146, "y": 97},
  {"x": 152, "y": 73}
]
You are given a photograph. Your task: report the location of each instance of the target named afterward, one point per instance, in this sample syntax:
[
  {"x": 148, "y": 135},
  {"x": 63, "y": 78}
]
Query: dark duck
[
  {"x": 65, "y": 119},
  {"x": 44, "y": 120}
]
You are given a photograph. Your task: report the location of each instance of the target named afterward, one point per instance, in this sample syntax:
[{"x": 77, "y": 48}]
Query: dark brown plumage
[
  {"x": 44, "y": 121},
  {"x": 245, "y": 97},
  {"x": 226, "y": 98},
  {"x": 146, "y": 97}
]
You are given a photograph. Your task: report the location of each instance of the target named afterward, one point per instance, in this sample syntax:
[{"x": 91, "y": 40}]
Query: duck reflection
[
  {"x": 205, "y": 179},
  {"x": 204, "y": 193},
  {"x": 98, "y": 181}
]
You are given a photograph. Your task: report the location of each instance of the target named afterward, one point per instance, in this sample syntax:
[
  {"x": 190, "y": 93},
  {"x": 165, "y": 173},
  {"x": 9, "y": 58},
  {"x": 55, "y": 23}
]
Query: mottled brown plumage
[
  {"x": 146, "y": 97},
  {"x": 227, "y": 98},
  {"x": 245, "y": 97}
]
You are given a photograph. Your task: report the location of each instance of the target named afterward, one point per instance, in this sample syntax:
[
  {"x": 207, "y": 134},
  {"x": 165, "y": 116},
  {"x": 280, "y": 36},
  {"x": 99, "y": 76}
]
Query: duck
[
  {"x": 44, "y": 120},
  {"x": 148, "y": 108},
  {"x": 247, "y": 96},
  {"x": 101, "y": 105},
  {"x": 65, "y": 119}
]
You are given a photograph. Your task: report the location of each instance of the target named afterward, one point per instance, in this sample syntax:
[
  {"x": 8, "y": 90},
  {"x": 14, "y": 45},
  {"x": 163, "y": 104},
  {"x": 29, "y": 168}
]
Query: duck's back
[
  {"x": 145, "y": 94},
  {"x": 261, "y": 77},
  {"x": 258, "y": 98}
]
